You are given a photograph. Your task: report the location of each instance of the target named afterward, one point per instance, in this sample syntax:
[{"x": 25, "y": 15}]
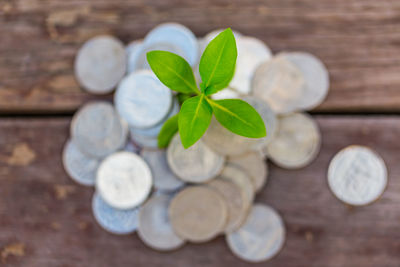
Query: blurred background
[{"x": 45, "y": 218}]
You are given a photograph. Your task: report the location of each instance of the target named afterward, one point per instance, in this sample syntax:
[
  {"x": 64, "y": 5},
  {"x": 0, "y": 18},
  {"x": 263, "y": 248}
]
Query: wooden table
[{"x": 45, "y": 218}]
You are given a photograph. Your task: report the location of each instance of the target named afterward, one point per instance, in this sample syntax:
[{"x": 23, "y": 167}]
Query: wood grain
[
  {"x": 46, "y": 220},
  {"x": 357, "y": 39}
]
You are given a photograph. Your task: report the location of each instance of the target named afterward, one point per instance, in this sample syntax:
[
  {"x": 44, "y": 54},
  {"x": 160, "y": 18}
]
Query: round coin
[
  {"x": 260, "y": 238},
  {"x": 251, "y": 52},
  {"x": 114, "y": 220},
  {"x": 142, "y": 100},
  {"x": 123, "y": 180},
  {"x": 176, "y": 35},
  {"x": 316, "y": 79},
  {"x": 198, "y": 213},
  {"x": 154, "y": 227},
  {"x": 357, "y": 175},
  {"x": 79, "y": 166},
  {"x": 296, "y": 143},
  {"x": 97, "y": 130},
  {"x": 234, "y": 200},
  {"x": 279, "y": 83},
  {"x": 254, "y": 165},
  {"x": 163, "y": 178},
  {"x": 100, "y": 64},
  {"x": 196, "y": 164}
]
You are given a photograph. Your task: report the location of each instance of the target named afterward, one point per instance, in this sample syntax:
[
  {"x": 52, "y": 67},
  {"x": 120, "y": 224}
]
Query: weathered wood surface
[
  {"x": 357, "y": 39},
  {"x": 46, "y": 219}
]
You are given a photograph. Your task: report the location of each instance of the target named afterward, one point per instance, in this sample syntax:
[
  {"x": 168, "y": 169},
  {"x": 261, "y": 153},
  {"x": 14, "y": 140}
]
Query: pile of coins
[{"x": 182, "y": 195}]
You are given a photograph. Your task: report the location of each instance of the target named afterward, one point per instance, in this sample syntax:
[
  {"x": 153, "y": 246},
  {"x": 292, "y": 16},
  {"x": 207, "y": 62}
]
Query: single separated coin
[
  {"x": 79, "y": 166},
  {"x": 154, "y": 227},
  {"x": 255, "y": 166},
  {"x": 196, "y": 164},
  {"x": 114, "y": 220},
  {"x": 280, "y": 83},
  {"x": 260, "y": 238},
  {"x": 233, "y": 196},
  {"x": 357, "y": 175},
  {"x": 176, "y": 35},
  {"x": 142, "y": 100},
  {"x": 251, "y": 52},
  {"x": 297, "y": 142},
  {"x": 163, "y": 178},
  {"x": 316, "y": 78},
  {"x": 100, "y": 64},
  {"x": 198, "y": 213},
  {"x": 124, "y": 180},
  {"x": 97, "y": 130}
]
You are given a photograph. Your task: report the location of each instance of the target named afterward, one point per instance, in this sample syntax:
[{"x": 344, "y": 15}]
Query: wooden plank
[
  {"x": 46, "y": 220},
  {"x": 357, "y": 39}
]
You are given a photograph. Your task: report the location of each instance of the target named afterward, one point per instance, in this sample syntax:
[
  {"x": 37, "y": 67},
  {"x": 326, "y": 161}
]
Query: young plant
[{"x": 217, "y": 67}]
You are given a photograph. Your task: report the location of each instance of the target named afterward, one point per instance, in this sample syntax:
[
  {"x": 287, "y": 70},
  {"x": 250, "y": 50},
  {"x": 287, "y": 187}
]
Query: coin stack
[{"x": 182, "y": 195}]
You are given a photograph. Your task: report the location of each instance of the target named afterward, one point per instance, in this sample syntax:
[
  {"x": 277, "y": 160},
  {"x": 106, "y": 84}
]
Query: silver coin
[
  {"x": 296, "y": 143},
  {"x": 79, "y": 166},
  {"x": 251, "y": 53},
  {"x": 133, "y": 50},
  {"x": 100, "y": 64},
  {"x": 124, "y": 180},
  {"x": 197, "y": 164},
  {"x": 97, "y": 130},
  {"x": 357, "y": 175},
  {"x": 114, "y": 220},
  {"x": 279, "y": 83},
  {"x": 142, "y": 100},
  {"x": 255, "y": 167},
  {"x": 316, "y": 79},
  {"x": 154, "y": 131},
  {"x": 144, "y": 141},
  {"x": 261, "y": 237},
  {"x": 163, "y": 178},
  {"x": 154, "y": 228},
  {"x": 268, "y": 117},
  {"x": 176, "y": 35}
]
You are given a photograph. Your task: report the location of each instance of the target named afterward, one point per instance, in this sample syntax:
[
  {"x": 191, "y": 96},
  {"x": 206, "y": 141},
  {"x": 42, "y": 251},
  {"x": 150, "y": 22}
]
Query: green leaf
[
  {"x": 182, "y": 97},
  {"x": 168, "y": 131},
  {"x": 217, "y": 64},
  {"x": 239, "y": 117},
  {"x": 173, "y": 71},
  {"x": 194, "y": 119}
]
